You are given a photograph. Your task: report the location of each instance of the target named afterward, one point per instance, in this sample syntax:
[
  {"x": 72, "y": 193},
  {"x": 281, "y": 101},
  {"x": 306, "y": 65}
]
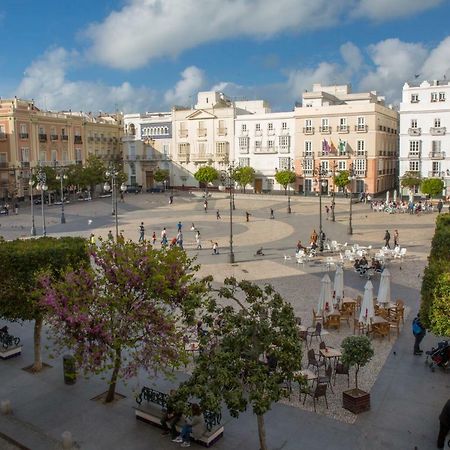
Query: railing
[
  {"x": 77, "y": 140},
  {"x": 201, "y": 132},
  {"x": 258, "y": 133},
  {"x": 414, "y": 155},
  {"x": 308, "y": 172},
  {"x": 284, "y": 149},
  {"x": 436, "y": 174},
  {"x": 222, "y": 131},
  {"x": 414, "y": 131},
  {"x": 259, "y": 150},
  {"x": 360, "y": 172},
  {"x": 243, "y": 149},
  {"x": 343, "y": 129},
  {"x": 361, "y": 153},
  {"x": 361, "y": 128},
  {"x": 437, "y": 155},
  {"x": 2, "y": 136},
  {"x": 308, "y": 130},
  {"x": 23, "y": 135},
  {"x": 25, "y": 164},
  {"x": 183, "y": 133},
  {"x": 54, "y": 137},
  {"x": 64, "y": 137},
  {"x": 201, "y": 156},
  {"x": 438, "y": 131},
  {"x": 325, "y": 130},
  {"x": 308, "y": 154}
]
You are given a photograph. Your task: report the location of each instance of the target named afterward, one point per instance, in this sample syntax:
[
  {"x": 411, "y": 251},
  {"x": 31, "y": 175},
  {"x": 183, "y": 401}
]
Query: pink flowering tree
[{"x": 125, "y": 312}]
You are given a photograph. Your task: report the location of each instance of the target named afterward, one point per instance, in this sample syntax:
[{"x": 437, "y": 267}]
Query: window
[
  {"x": 414, "y": 147},
  {"x": 284, "y": 141},
  {"x": 325, "y": 123},
  {"x": 25, "y": 154},
  {"x": 360, "y": 165},
  {"x": 284, "y": 163},
  {"x": 244, "y": 127},
  {"x": 414, "y": 98},
  {"x": 442, "y": 96},
  {"x": 243, "y": 144},
  {"x": 258, "y": 127},
  {"x": 270, "y": 126},
  {"x": 308, "y": 165},
  {"x": 436, "y": 167},
  {"x": 308, "y": 148},
  {"x": 325, "y": 165},
  {"x": 42, "y": 155},
  {"x": 270, "y": 145},
  {"x": 2, "y": 132},
  {"x": 361, "y": 123},
  {"x": 65, "y": 155},
  {"x": 258, "y": 146},
  {"x": 414, "y": 166},
  {"x": 413, "y": 123},
  {"x": 78, "y": 156},
  {"x": 360, "y": 146},
  {"x": 183, "y": 148},
  {"x": 343, "y": 121},
  {"x": 436, "y": 146},
  {"x": 183, "y": 126},
  {"x": 308, "y": 125},
  {"x": 342, "y": 165},
  {"x": 437, "y": 123},
  {"x": 54, "y": 155},
  {"x": 222, "y": 148},
  {"x": 244, "y": 162},
  {"x": 166, "y": 149},
  {"x": 3, "y": 160},
  {"x": 284, "y": 126},
  {"x": 201, "y": 148},
  {"x": 434, "y": 97}
]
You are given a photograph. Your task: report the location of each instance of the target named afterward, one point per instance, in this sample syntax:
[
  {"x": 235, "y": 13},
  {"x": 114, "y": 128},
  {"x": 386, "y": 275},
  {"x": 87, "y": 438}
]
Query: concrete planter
[{"x": 356, "y": 401}]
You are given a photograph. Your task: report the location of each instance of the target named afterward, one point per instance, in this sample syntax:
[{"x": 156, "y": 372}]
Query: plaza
[{"x": 43, "y": 407}]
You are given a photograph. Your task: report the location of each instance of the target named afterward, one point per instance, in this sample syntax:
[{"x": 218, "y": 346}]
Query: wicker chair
[
  {"x": 319, "y": 391},
  {"x": 333, "y": 321},
  {"x": 400, "y": 308},
  {"x": 342, "y": 369},
  {"x": 358, "y": 327},
  {"x": 316, "y": 317},
  {"x": 394, "y": 322}
]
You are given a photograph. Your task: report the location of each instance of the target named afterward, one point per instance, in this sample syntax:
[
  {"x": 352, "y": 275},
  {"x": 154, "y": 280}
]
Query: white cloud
[
  {"x": 391, "y": 9},
  {"x": 46, "y": 81},
  {"x": 192, "y": 80},
  {"x": 437, "y": 64},
  {"x": 352, "y": 57}
]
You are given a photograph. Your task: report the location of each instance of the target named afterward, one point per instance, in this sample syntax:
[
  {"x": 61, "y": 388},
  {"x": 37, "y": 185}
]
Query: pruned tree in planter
[
  {"x": 21, "y": 262},
  {"x": 257, "y": 322},
  {"x": 126, "y": 311},
  {"x": 357, "y": 351}
]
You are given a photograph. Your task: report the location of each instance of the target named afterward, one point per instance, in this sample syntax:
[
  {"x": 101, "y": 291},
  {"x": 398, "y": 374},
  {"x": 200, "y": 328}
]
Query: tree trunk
[
  {"x": 37, "y": 365},
  {"x": 285, "y": 190},
  {"x": 356, "y": 377},
  {"x": 112, "y": 384},
  {"x": 261, "y": 432}
]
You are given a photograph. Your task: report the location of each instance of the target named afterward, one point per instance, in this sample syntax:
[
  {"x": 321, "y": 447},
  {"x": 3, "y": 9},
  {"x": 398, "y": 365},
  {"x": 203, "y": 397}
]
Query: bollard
[
  {"x": 67, "y": 441},
  {"x": 5, "y": 407}
]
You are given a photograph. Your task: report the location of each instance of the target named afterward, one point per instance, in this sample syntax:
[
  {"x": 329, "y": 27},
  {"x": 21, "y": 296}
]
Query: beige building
[
  {"x": 338, "y": 130},
  {"x": 30, "y": 137}
]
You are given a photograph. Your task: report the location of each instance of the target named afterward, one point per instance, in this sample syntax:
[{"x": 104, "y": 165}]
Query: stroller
[{"x": 440, "y": 356}]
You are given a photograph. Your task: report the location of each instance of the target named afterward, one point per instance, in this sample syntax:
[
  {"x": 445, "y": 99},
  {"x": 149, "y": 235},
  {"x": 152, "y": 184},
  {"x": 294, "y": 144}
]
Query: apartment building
[
  {"x": 147, "y": 146},
  {"x": 30, "y": 137},
  {"x": 336, "y": 129},
  {"x": 265, "y": 141},
  {"x": 424, "y": 139}
]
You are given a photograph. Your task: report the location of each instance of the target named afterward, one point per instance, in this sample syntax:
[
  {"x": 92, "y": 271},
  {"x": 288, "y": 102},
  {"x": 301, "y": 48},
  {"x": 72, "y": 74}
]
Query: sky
[{"x": 148, "y": 55}]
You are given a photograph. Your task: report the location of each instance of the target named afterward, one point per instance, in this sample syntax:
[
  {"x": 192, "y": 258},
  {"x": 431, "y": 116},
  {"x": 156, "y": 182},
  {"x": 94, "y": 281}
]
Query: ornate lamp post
[
  {"x": 333, "y": 203},
  {"x": 320, "y": 172},
  {"x": 61, "y": 177},
  {"x": 112, "y": 173},
  {"x": 41, "y": 179},
  {"x": 351, "y": 177},
  {"x": 33, "y": 228},
  {"x": 230, "y": 186}
]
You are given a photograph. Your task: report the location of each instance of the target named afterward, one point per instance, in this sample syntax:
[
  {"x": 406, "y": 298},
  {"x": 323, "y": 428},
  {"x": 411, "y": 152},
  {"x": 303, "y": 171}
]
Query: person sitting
[
  {"x": 300, "y": 247},
  {"x": 357, "y": 264},
  {"x": 363, "y": 262},
  {"x": 171, "y": 417},
  {"x": 195, "y": 426}
]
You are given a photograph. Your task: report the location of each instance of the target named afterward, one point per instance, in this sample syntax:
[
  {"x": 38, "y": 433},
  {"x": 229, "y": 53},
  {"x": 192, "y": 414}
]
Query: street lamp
[
  {"x": 33, "y": 228},
  {"x": 333, "y": 203},
  {"x": 41, "y": 179},
  {"x": 230, "y": 185},
  {"x": 62, "y": 176},
  {"x": 320, "y": 172},
  {"x": 351, "y": 177},
  {"x": 112, "y": 174}
]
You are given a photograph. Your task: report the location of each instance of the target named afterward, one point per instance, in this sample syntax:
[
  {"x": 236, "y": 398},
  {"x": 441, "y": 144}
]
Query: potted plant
[{"x": 357, "y": 351}]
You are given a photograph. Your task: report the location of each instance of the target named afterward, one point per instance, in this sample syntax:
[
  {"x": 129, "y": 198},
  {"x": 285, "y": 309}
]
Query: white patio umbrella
[
  {"x": 325, "y": 295},
  {"x": 338, "y": 285},
  {"x": 395, "y": 195},
  {"x": 367, "y": 309},
  {"x": 384, "y": 291},
  {"x": 387, "y": 196}
]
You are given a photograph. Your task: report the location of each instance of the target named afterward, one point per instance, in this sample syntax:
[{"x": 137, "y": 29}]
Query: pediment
[{"x": 201, "y": 114}]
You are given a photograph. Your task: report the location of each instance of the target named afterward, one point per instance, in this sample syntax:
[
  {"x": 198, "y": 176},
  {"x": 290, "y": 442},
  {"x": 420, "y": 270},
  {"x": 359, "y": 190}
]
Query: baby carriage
[{"x": 440, "y": 356}]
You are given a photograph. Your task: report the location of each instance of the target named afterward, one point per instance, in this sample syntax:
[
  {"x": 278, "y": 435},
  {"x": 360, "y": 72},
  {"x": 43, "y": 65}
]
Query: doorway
[{"x": 258, "y": 185}]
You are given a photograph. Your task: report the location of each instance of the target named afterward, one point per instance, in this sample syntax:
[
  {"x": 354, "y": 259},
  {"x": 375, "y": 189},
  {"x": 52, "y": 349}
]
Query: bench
[
  {"x": 152, "y": 412},
  {"x": 9, "y": 345}
]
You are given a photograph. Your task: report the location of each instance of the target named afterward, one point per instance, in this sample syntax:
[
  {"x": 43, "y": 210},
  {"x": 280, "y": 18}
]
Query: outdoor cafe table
[
  {"x": 329, "y": 353},
  {"x": 378, "y": 319},
  {"x": 349, "y": 300},
  {"x": 305, "y": 328},
  {"x": 306, "y": 373}
]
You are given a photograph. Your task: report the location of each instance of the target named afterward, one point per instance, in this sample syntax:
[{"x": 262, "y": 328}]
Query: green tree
[
  {"x": 342, "y": 179},
  {"x": 126, "y": 311},
  {"x": 357, "y": 351},
  {"x": 411, "y": 180},
  {"x": 244, "y": 176},
  {"x": 206, "y": 175},
  {"x": 229, "y": 368},
  {"x": 285, "y": 178},
  {"x": 432, "y": 186},
  {"x": 161, "y": 175},
  {"x": 93, "y": 173},
  {"x": 21, "y": 262},
  {"x": 439, "y": 310},
  {"x": 50, "y": 178}
]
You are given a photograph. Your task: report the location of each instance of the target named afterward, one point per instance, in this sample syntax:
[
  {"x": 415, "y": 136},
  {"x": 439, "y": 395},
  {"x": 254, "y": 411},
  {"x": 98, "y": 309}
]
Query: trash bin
[{"x": 70, "y": 373}]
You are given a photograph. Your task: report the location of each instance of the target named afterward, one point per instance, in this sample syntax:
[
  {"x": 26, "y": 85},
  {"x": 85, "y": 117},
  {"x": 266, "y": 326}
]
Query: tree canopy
[
  {"x": 125, "y": 312},
  {"x": 357, "y": 351},
  {"x": 244, "y": 176},
  {"x": 249, "y": 349},
  {"x": 206, "y": 174},
  {"x": 342, "y": 179},
  {"x": 285, "y": 177},
  {"x": 161, "y": 175},
  {"x": 411, "y": 180},
  {"x": 432, "y": 186}
]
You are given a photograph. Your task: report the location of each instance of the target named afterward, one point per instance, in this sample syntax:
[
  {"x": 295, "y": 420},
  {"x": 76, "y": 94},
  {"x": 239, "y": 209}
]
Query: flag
[
  {"x": 342, "y": 147},
  {"x": 325, "y": 147}
]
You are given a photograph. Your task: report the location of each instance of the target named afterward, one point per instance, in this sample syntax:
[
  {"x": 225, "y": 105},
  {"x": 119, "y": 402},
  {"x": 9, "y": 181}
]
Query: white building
[
  {"x": 147, "y": 145},
  {"x": 265, "y": 141},
  {"x": 425, "y": 130}
]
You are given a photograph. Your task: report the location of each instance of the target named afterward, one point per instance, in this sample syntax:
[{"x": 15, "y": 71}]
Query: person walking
[
  {"x": 121, "y": 238},
  {"x": 419, "y": 333},
  {"x": 170, "y": 199},
  {"x": 271, "y": 214},
  {"x": 16, "y": 208},
  {"x": 215, "y": 248},
  {"x": 313, "y": 238},
  {"x": 218, "y": 215},
  {"x": 247, "y": 216},
  {"x": 444, "y": 424},
  {"x": 110, "y": 236},
  {"x": 141, "y": 232},
  {"x": 205, "y": 206},
  {"x": 92, "y": 239},
  {"x": 396, "y": 241},
  {"x": 179, "y": 226},
  {"x": 180, "y": 240},
  {"x": 327, "y": 210},
  {"x": 154, "y": 238},
  {"x": 440, "y": 205},
  {"x": 197, "y": 240},
  {"x": 387, "y": 238}
]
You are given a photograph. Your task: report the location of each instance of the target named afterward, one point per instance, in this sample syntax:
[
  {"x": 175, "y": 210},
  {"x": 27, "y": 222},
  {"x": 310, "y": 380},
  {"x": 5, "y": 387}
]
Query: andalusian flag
[{"x": 332, "y": 147}]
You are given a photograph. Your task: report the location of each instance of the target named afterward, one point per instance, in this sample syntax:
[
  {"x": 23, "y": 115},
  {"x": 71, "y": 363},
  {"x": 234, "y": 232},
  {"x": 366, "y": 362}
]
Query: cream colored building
[{"x": 336, "y": 129}]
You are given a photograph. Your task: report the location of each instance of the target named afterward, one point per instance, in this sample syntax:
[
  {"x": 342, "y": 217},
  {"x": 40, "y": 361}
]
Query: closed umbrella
[
  {"x": 325, "y": 295},
  {"x": 339, "y": 283},
  {"x": 384, "y": 291},
  {"x": 367, "y": 309},
  {"x": 395, "y": 195},
  {"x": 387, "y": 196}
]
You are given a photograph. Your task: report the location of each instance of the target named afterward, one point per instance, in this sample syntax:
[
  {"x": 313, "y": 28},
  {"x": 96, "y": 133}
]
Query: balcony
[
  {"x": 42, "y": 137},
  {"x": 258, "y": 133},
  {"x": 438, "y": 131},
  {"x": 201, "y": 132},
  {"x": 77, "y": 140},
  {"x": 284, "y": 149},
  {"x": 183, "y": 133},
  {"x": 4, "y": 165},
  {"x": 437, "y": 155},
  {"x": 243, "y": 149},
  {"x": 308, "y": 130},
  {"x": 24, "y": 164},
  {"x": 284, "y": 132},
  {"x": 183, "y": 156},
  {"x": 308, "y": 155},
  {"x": 436, "y": 174},
  {"x": 243, "y": 133},
  {"x": 325, "y": 130},
  {"x": 414, "y": 155},
  {"x": 264, "y": 150},
  {"x": 2, "y": 136},
  {"x": 64, "y": 137},
  {"x": 23, "y": 135},
  {"x": 360, "y": 173},
  {"x": 221, "y": 131},
  {"x": 414, "y": 131},
  {"x": 361, "y": 128},
  {"x": 343, "y": 129},
  {"x": 222, "y": 155},
  {"x": 308, "y": 172},
  {"x": 361, "y": 153},
  {"x": 53, "y": 137}
]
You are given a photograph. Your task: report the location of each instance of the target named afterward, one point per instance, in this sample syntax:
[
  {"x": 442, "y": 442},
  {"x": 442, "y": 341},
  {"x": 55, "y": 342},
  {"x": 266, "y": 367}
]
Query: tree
[
  {"x": 411, "y": 180},
  {"x": 229, "y": 367},
  {"x": 432, "y": 186},
  {"x": 50, "y": 178},
  {"x": 93, "y": 173},
  {"x": 439, "y": 310},
  {"x": 244, "y": 176},
  {"x": 161, "y": 175},
  {"x": 342, "y": 179},
  {"x": 357, "y": 351},
  {"x": 206, "y": 175},
  {"x": 124, "y": 313},
  {"x": 21, "y": 262},
  {"x": 285, "y": 178}
]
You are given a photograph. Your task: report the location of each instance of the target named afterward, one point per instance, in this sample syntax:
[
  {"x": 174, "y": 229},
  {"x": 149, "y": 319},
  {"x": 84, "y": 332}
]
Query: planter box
[{"x": 356, "y": 401}]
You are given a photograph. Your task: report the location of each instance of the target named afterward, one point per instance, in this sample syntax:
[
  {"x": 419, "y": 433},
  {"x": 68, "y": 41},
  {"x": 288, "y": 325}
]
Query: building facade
[
  {"x": 266, "y": 142},
  {"x": 424, "y": 139},
  {"x": 337, "y": 130},
  {"x": 147, "y": 145},
  {"x": 30, "y": 137}
]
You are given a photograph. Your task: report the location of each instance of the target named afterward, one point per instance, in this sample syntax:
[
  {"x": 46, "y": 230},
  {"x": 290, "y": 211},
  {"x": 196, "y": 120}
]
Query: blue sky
[{"x": 147, "y": 55}]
